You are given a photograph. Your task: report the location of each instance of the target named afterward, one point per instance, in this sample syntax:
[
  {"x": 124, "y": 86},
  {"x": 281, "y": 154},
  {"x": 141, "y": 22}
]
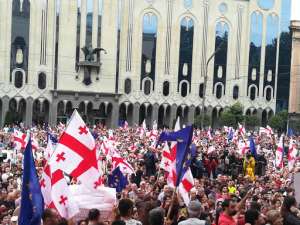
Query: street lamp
[{"x": 205, "y": 82}]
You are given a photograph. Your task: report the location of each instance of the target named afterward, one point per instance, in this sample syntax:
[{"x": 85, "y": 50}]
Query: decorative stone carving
[
  {"x": 19, "y": 56},
  {"x": 253, "y": 74},
  {"x": 89, "y": 64},
  {"x": 269, "y": 76}
]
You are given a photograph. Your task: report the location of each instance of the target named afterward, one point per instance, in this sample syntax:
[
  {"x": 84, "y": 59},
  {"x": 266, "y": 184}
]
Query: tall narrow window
[
  {"x": 100, "y": 6},
  {"x": 78, "y": 32},
  {"x": 18, "y": 79},
  {"x": 255, "y": 48},
  {"x": 20, "y": 24},
  {"x": 166, "y": 88},
  {"x": 221, "y": 47},
  {"x": 219, "y": 91},
  {"x": 184, "y": 89},
  {"x": 271, "y": 50},
  {"x": 186, "y": 50},
  {"x": 235, "y": 93},
  {"x": 252, "y": 93},
  {"x": 268, "y": 94},
  {"x": 149, "y": 46},
  {"x": 127, "y": 87},
  {"x": 147, "y": 87},
  {"x": 42, "y": 81},
  {"x": 201, "y": 90},
  {"x": 89, "y": 23}
]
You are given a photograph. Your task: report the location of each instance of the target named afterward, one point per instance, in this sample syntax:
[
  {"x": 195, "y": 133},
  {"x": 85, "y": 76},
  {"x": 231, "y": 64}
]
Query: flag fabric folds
[
  {"x": 252, "y": 147},
  {"x": 117, "y": 180},
  {"x": 32, "y": 204},
  {"x": 184, "y": 152}
]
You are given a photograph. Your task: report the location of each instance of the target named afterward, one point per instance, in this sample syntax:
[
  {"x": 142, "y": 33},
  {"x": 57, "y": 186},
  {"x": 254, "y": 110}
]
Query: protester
[{"x": 223, "y": 170}]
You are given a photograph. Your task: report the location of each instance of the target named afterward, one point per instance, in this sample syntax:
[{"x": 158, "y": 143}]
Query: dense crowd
[{"x": 230, "y": 187}]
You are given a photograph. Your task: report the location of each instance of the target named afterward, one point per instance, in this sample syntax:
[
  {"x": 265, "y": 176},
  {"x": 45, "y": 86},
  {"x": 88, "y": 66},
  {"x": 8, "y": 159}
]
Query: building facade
[
  {"x": 132, "y": 60},
  {"x": 294, "y": 104}
]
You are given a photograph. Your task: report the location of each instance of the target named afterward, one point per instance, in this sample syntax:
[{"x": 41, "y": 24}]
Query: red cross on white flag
[
  {"x": 75, "y": 153},
  {"x": 20, "y": 140}
]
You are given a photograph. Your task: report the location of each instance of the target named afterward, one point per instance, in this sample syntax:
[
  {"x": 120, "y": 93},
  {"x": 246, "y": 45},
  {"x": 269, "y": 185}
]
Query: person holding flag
[
  {"x": 184, "y": 155},
  {"x": 32, "y": 203},
  {"x": 249, "y": 161}
]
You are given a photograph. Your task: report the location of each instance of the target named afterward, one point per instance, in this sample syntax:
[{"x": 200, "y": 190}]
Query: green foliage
[
  {"x": 237, "y": 111},
  {"x": 251, "y": 121},
  {"x": 227, "y": 118},
  {"x": 207, "y": 121},
  {"x": 9, "y": 118},
  {"x": 283, "y": 115},
  {"x": 277, "y": 122}
]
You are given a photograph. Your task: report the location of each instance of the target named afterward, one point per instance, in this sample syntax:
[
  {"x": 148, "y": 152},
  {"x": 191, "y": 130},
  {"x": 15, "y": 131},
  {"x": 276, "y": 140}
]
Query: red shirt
[{"x": 224, "y": 219}]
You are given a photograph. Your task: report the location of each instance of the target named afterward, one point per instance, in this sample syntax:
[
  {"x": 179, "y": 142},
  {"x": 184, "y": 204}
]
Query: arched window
[
  {"x": 184, "y": 89},
  {"x": 147, "y": 87},
  {"x": 252, "y": 93},
  {"x": 268, "y": 94},
  {"x": 186, "y": 50},
  {"x": 149, "y": 37},
  {"x": 166, "y": 88},
  {"x": 127, "y": 86},
  {"x": 219, "y": 91},
  {"x": 42, "y": 81},
  {"x": 18, "y": 79},
  {"x": 221, "y": 48},
  {"x": 235, "y": 93},
  {"x": 201, "y": 90}
]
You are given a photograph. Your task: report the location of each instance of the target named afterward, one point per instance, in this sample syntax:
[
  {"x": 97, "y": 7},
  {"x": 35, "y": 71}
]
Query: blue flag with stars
[
  {"x": 52, "y": 138},
  {"x": 32, "y": 203},
  {"x": 252, "y": 147},
  {"x": 185, "y": 150},
  {"x": 117, "y": 180}
]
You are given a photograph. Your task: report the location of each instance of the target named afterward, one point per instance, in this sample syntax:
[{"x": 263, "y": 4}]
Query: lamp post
[{"x": 205, "y": 82}]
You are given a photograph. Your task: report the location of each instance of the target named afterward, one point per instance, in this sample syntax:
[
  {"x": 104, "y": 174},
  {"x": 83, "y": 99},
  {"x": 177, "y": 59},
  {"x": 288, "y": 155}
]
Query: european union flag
[
  {"x": 117, "y": 180},
  {"x": 32, "y": 203},
  {"x": 230, "y": 134},
  {"x": 290, "y": 132},
  {"x": 52, "y": 138},
  {"x": 185, "y": 151},
  {"x": 252, "y": 147}
]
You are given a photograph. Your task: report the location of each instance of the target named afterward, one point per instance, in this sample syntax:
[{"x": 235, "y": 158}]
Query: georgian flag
[
  {"x": 168, "y": 157},
  {"x": 268, "y": 130},
  {"x": 209, "y": 135},
  {"x": 292, "y": 154},
  {"x": 242, "y": 129},
  {"x": 125, "y": 167},
  {"x": 75, "y": 153},
  {"x": 279, "y": 154},
  {"x": 20, "y": 140},
  {"x": 243, "y": 147},
  {"x": 62, "y": 201}
]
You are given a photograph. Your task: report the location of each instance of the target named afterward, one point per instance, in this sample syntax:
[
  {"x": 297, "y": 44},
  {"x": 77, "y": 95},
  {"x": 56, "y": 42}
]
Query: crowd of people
[{"x": 231, "y": 185}]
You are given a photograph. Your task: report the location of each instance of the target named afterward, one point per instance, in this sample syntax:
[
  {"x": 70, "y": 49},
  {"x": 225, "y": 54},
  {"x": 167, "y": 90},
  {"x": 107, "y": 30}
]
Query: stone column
[
  {"x": 172, "y": 116},
  {"x": 29, "y": 105},
  {"x": 114, "y": 116},
  {"x": 191, "y": 115},
  {"x": 136, "y": 114},
  {"x": 294, "y": 101},
  {"x": 5, "y": 108},
  {"x": 53, "y": 113},
  {"x": 154, "y": 117}
]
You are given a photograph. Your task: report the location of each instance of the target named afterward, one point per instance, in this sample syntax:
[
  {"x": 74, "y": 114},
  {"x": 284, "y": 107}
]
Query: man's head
[
  {"x": 229, "y": 207},
  {"x": 156, "y": 216},
  {"x": 50, "y": 217},
  {"x": 125, "y": 207},
  {"x": 194, "y": 209},
  {"x": 253, "y": 217},
  {"x": 94, "y": 215}
]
